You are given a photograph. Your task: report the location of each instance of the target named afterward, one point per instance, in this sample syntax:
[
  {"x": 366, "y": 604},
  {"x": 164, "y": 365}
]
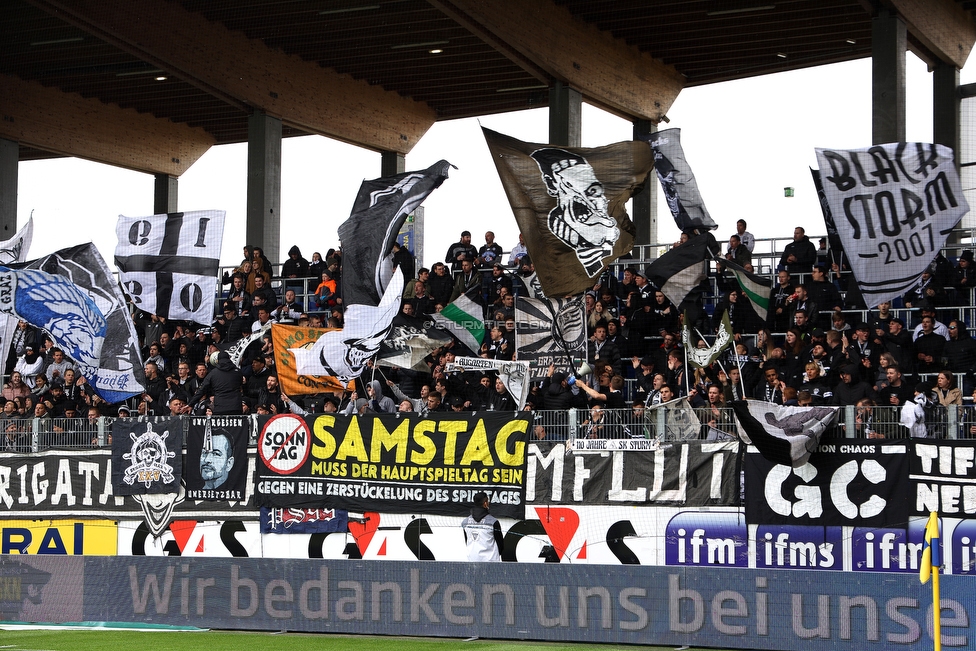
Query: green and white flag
[
  {"x": 702, "y": 357},
  {"x": 462, "y": 318},
  {"x": 756, "y": 288}
]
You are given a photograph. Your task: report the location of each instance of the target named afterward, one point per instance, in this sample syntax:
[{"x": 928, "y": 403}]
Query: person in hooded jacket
[
  {"x": 225, "y": 384},
  {"x": 482, "y": 532},
  {"x": 377, "y": 401}
]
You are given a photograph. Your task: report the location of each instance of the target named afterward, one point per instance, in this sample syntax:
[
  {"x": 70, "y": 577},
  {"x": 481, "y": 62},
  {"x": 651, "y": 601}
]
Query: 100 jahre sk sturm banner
[{"x": 393, "y": 462}]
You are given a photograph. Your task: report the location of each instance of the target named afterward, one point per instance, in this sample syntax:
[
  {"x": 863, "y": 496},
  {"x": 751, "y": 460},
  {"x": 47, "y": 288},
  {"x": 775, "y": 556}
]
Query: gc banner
[
  {"x": 845, "y": 482},
  {"x": 687, "y": 474},
  {"x": 393, "y": 463}
]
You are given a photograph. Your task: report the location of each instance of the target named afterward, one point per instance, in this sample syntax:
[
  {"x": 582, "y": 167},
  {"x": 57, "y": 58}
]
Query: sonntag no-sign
[
  {"x": 284, "y": 443},
  {"x": 395, "y": 463}
]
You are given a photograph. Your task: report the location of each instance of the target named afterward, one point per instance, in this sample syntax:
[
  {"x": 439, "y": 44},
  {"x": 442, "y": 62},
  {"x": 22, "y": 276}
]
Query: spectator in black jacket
[
  {"x": 224, "y": 385},
  {"x": 799, "y": 255},
  {"x": 960, "y": 350},
  {"x": 851, "y": 388}
]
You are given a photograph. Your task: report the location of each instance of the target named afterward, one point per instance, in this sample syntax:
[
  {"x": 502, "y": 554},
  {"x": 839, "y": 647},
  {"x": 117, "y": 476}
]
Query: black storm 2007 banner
[
  {"x": 216, "y": 458},
  {"x": 393, "y": 463}
]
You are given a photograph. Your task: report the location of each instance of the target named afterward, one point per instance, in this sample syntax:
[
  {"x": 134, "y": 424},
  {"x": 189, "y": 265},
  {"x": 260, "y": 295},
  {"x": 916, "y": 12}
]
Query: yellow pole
[{"x": 936, "y": 610}]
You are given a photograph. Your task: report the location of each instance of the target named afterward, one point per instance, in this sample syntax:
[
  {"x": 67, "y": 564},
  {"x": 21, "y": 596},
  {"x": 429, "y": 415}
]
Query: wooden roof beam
[
  {"x": 71, "y": 125},
  {"x": 941, "y": 26},
  {"x": 550, "y": 44},
  {"x": 248, "y": 74}
]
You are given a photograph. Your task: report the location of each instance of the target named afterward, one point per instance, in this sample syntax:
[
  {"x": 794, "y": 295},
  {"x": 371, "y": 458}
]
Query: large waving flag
[
  {"x": 59, "y": 299},
  {"x": 678, "y": 181},
  {"x": 570, "y": 204},
  {"x": 784, "y": 435},
  {"x": 168, "y": 263},
  {"x": 343, "y": 353},
  {"x": 462, "y": 318},
  {"x": 381, "y": 208},
  {"x": 679, "y": 271},
  {"x": 894, "y": 206}
]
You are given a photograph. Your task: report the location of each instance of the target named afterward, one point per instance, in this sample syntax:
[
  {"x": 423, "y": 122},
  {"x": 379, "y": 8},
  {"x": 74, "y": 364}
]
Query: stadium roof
[{"x": 152, "y": 84}]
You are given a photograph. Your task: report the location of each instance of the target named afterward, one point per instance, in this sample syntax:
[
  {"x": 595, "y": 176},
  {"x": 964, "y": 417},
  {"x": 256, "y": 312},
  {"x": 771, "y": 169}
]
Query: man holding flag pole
[{"x": 931, "y": 561}]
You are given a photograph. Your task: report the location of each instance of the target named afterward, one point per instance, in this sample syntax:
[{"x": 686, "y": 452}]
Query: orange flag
[{"x": 284, "y": 337}]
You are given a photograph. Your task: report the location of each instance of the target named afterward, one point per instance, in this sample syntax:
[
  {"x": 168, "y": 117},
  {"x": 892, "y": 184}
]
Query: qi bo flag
[
  {"x": 894, "y": 206},
  {"x": 678, "y": 182},
  {"x": 570, "y": 204},
  {"x": 168, "y": 263}
]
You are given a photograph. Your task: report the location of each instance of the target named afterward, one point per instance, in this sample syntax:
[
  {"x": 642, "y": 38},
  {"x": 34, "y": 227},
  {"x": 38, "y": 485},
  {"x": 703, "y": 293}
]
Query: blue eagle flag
[{"x": 71, "y": 295}]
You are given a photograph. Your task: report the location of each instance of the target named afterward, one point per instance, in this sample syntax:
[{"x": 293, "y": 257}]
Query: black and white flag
[
  {"x": 784, "y": 435},
  {"x": 168, "y": 263},
  {"x": 546, "y": 330},
  {"x": 89, "y": 320},
  {"x": 680, "y": 271},
  {"x": 410, "y": 341},
  {"x": 381, "y": 208},
  {"x": 147, "y": 456},
  {"x": 894, "y": 206},
  {"x": 678, "y": 181}
]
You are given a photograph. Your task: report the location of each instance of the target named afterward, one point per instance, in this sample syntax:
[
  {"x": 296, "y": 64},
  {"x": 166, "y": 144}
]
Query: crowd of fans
[{"x": 808, "y": 351}]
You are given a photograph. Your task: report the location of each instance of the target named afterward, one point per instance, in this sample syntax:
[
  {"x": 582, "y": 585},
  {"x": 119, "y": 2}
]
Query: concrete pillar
[
  {"x": 392, "y": 163},
  {"x": 264, "y": 184},
  {"x": 165, "y": 194},
  {"x": 565, "y": 115},
  {"x": 945, "y": 106},
  {"x": 888, "y": 44},
  {"x": 645, "y": 203},
  {"x": 9, "y": 161}
]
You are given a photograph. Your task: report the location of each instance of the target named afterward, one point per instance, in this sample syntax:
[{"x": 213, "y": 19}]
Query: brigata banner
[
  {"x": 894, "y": 206},
  {"x": 597, "y": 472},
  {"x": 398, "y": 463},
  {"x": 859, "y": 482}
]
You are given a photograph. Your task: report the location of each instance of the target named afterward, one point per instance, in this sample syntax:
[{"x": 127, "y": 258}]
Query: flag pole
[{"x": 936, "y": 609}]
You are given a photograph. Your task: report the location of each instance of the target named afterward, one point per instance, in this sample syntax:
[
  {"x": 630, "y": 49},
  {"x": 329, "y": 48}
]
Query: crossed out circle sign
[{"x": 284, "y": 444}]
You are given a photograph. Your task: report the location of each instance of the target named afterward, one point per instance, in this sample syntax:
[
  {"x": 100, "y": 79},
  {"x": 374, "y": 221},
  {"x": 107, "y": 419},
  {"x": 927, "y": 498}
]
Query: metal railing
[{"x": 28, "y": 435}]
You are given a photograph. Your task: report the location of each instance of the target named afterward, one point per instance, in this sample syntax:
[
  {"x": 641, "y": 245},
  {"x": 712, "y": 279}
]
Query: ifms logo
[
  {"x": 799, "y": 547},
  {"x": 707, "y": 539},
  {"x": 888, "y": 550},
  {"x": 963, "y": 545}
]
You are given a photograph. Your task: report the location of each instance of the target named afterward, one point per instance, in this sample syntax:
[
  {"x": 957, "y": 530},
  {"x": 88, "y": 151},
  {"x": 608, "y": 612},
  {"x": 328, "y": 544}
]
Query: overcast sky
[{"x": 745, "y": 140}]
